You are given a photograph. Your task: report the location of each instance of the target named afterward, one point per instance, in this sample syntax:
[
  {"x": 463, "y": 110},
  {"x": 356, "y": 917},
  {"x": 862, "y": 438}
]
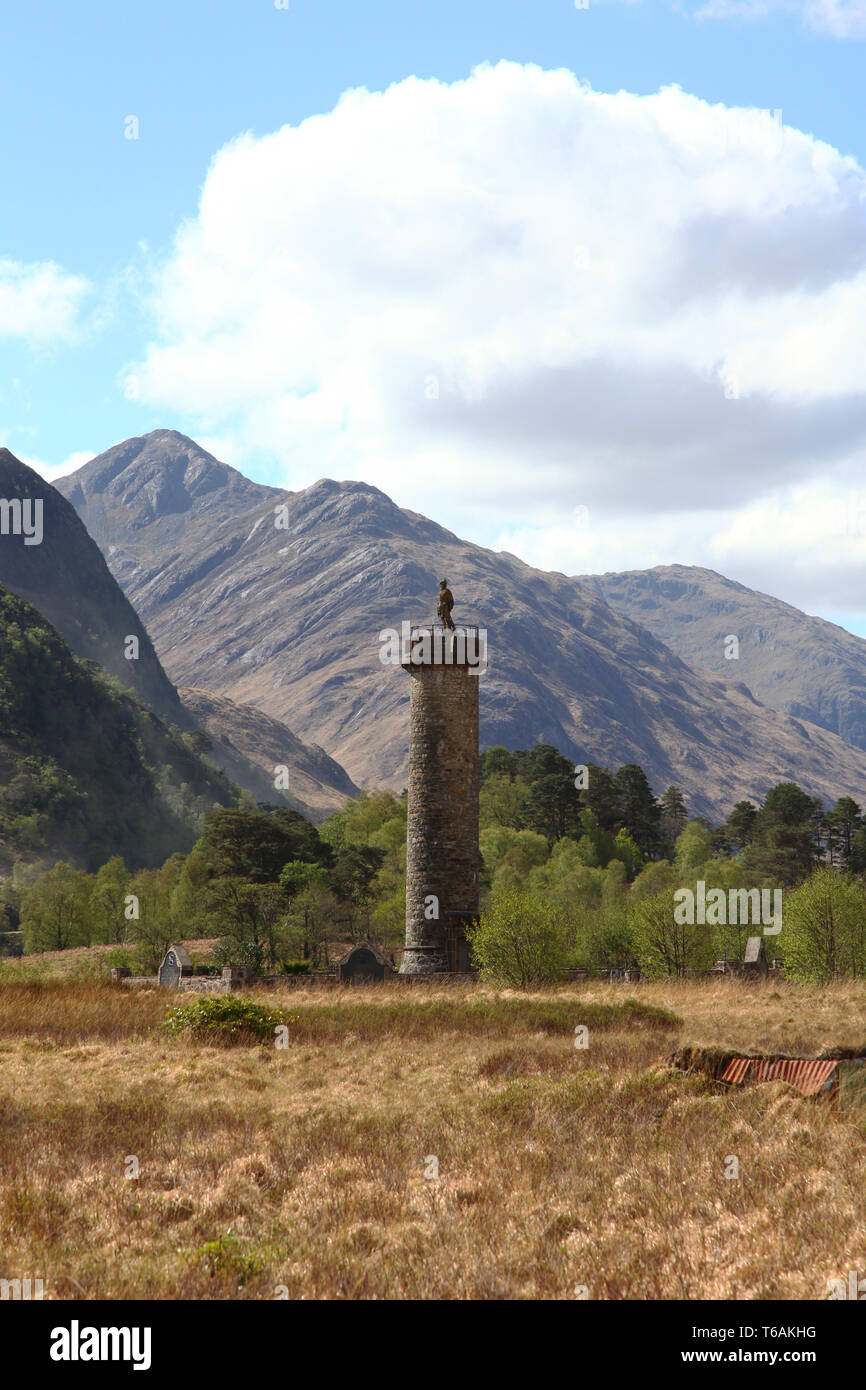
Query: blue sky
[{"x": 105, "y": 210}]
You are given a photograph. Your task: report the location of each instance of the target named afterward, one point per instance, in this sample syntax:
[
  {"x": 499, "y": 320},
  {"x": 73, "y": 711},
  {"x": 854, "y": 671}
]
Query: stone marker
[
  {"x": 363, "y": 965},
  {"x": 175, "y": 964},
  {"x": 755, "y": 963},
  {"x": 236, "y": 976}
]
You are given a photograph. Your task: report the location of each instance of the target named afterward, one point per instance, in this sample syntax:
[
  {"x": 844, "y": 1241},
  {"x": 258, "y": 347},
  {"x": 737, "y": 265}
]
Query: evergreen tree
[
  {"x": 639, "y": 811},
  {"x": 601, "y": 798},
  {"x": 673, "y": 819},
  {"x": 843, "y": 823},
  {"x": 552, "y": 807},
  {"x": 783, "y": 843}
]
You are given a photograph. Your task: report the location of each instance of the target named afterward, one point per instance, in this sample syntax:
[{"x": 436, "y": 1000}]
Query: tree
[
  {"x": 783, "y": 841},
  {"x": 551, "y": 807},
  {"x": 519, "y": 941},
  {"x": 857, "y": 857},
  {"x": 351, "y": 878},
  {"x": 152, "y": 928},
  {"x": 255, "y": 845},
  {"x": 527, "y": 850},
  {"x": 248, "y": 912},
  {"x": 692, "y": 849},
  {"x": 601, "y": 798},
  {"x": 626, "y": 850},
  {"x": 542, "y": 761},
  {"x": 663, "y": 946},
  {"x": 311, "y": 908},
  {"x": 740, "y": 826},
  {"x": 108, "y": 902},
  {"x": 639, "y": 811},
  {"x": 497, "y": 762},
  {"x": 824, "y": 927},
  {"x": 674, "y": 815},
  {"x": 55, "y": 911},
  {"x": 843, "y": 822},
  {"x": 501, "y": 800}
]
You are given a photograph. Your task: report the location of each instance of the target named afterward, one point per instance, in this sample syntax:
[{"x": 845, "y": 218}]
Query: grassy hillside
[{"x": 86, "y": 771}]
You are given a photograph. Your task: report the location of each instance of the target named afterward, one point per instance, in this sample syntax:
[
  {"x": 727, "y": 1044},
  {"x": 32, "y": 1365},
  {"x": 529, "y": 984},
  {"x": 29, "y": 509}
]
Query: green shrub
[
  {"x": 231, "y": 951},
  {"x": 663, "y": 946},
  {"x": 296, "y": 967},
  {"x": 519, "y": 941},
  {"x": 824, "y": 928},
  {"x": 226, "y": 1019}
]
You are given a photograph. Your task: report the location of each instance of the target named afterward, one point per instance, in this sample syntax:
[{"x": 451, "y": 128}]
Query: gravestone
[
  {"x": 363, "y": 965},
  {"x": 175, "y": 964},
  {"x": 236, "y": 976},
  {"x": 755, "y": 963}
]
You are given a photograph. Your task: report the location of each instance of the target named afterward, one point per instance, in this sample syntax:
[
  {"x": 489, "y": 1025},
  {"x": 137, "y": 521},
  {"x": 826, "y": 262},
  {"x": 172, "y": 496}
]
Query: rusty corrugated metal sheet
[
  {"x": 736, "y": 1070},
  {"x": 809, "y": 1074}
]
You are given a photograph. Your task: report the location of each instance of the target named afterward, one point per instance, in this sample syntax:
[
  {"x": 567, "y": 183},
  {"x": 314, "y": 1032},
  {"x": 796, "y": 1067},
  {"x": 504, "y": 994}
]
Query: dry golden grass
[{"x": 305, "y": 1168}]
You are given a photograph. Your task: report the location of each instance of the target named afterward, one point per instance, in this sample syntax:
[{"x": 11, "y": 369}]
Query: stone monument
[
  {"x": 442, "y": 858},
  {"x": 175, "y": 965}
]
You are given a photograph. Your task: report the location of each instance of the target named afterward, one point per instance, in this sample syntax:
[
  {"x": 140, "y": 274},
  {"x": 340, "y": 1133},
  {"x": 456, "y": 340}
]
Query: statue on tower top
[{"x": 446, "y": 603}]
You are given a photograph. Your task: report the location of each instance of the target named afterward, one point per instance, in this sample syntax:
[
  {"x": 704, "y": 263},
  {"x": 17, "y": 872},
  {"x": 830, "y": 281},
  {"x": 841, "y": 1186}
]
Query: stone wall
[{"x": 442, "y": 860}]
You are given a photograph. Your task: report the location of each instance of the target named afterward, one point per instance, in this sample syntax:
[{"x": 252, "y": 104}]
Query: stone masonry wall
[{"x": 442, "y": 840}]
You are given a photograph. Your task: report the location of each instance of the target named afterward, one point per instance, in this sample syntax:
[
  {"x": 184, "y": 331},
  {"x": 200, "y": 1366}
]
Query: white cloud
[
  {"x": 839, "y": 19},
  {"x": 504, "y": 297},
  {"x": 51, "y": 471},
  {"x": 806, "y": 544},
  {"x": 40, "y": 301}
]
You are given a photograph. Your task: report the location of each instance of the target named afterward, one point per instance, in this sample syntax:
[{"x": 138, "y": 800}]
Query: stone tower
[{"x": 442, "y": 858}]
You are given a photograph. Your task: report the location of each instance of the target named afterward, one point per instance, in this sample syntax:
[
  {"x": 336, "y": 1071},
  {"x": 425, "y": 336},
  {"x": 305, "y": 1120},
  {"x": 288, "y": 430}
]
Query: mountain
[
  {"x": 249, "y": 745},
  {"x": 66, "y": 578},
  {"x": 802, "y": 665},
  {"x": 86, "y": 771},
  {"x": 161, "y": 498},
  {"x": 287, "y": 619}
]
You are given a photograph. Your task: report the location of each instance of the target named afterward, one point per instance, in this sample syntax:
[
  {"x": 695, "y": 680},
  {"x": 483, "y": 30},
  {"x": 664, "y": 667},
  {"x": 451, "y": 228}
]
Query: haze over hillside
[
  {"x": 806, "y": 666},
  {"x": 247, "y": 742},
  {"x": 87, "y": 772},
  {"x": 288, "y": 620}
]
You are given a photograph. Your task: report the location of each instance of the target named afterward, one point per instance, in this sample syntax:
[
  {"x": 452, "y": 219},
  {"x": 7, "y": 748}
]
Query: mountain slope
[
  {"x": 85, "y": 770},
  {"x": 66, "y": 579},
  {"x": 245, "y": 739},
  {"x": 288, "y": 620},
  {"x": 160, "y": 497},
  {"x": 790, "y": 661}
]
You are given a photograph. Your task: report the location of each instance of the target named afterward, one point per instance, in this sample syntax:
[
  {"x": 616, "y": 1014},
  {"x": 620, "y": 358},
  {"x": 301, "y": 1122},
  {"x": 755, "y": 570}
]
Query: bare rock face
[
  {"x": 790, "y": 661},
  {"x": 250, "y": 746},
  {"x": 277, "y": 600}
]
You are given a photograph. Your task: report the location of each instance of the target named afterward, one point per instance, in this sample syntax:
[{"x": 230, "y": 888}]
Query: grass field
[{"x": 263, "y": 1171}]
